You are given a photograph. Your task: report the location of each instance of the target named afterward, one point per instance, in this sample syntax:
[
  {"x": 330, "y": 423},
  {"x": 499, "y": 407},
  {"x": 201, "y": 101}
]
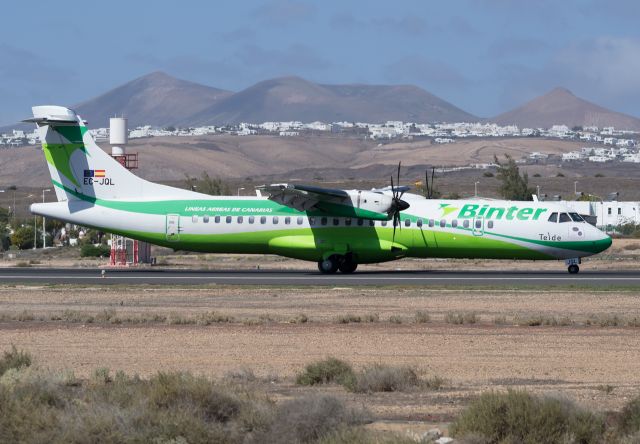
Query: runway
[{"x": 94, "y": 276}]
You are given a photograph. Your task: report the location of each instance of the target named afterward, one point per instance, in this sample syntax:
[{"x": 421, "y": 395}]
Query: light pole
[
  {"x": 240, "y": 189},
  {"x": 575, "y": 187},
  {"x": 538, "y": 191},
  {"x": 44, "y": 230},
  {"x": 476, "y": 188}
]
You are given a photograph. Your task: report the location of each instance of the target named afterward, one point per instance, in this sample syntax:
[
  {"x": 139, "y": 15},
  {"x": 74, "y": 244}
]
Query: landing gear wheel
[
  {"x": 329, "y": 265},
  {"x": 573, "y": 269},
  {"x": 348, "y": 266}
]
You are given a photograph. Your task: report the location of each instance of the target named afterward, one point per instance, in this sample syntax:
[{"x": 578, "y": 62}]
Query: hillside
[
  {"x": 294, "y": 98},
  {"x": 560, "y": 106},
  {"x": 155, "y": 99}
]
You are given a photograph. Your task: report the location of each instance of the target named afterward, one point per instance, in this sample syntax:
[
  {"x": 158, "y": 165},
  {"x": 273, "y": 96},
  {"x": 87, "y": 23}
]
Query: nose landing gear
[{"x": 573, "y": 265}]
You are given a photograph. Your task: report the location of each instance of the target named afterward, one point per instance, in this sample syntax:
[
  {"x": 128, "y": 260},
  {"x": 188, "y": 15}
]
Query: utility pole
[{"x": 476, "y": 188}]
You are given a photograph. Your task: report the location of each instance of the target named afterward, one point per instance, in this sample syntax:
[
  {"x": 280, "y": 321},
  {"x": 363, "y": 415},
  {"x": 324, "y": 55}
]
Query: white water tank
[{"x": 118, "y": 131}]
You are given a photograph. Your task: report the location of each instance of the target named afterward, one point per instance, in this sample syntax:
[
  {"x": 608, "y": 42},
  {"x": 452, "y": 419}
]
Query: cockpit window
[
  {"x": 553, "y": 218},
  {"x": 564, "y": 217},
  {"x": 576, "y": 217}
]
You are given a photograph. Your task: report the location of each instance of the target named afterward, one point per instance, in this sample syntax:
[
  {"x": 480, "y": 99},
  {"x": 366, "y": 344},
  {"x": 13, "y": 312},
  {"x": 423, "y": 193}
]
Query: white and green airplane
[{"x": 338, "y": 229}]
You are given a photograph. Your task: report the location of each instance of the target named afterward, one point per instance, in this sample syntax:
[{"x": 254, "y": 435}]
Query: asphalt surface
[{"x": 94, "y": 276}]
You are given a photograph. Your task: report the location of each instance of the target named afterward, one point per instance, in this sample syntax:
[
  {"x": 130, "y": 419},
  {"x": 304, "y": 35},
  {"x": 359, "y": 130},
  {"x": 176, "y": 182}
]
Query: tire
[
  {"x": 329, "y": 265},
  {"x": 573, "y": 269},
  {"x": 348, "y": 267}
]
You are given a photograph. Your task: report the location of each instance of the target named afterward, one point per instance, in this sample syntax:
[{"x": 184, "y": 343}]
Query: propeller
[
  {"x": 397, "y": 204},
  {"x": 429, "y": 189}
]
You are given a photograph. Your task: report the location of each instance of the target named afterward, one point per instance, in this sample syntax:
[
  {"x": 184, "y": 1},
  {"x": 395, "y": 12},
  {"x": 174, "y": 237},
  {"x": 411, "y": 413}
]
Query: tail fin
[{"x": 80, "y": 169}]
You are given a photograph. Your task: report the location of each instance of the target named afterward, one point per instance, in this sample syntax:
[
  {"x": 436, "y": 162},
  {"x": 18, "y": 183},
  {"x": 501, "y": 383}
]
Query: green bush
[
  {"x": 517, "y": 416},
  {"x": 14, "y": 359},
  {"x": 90, "y": 250},
  {"x": 325, "y": 371}
]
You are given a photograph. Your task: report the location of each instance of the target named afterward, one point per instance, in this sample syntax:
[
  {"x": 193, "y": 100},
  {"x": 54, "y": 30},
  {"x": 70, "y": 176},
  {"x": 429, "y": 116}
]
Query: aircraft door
[
  {"x": 478, "y": 226},
  {"x": 173, "y": 227}
]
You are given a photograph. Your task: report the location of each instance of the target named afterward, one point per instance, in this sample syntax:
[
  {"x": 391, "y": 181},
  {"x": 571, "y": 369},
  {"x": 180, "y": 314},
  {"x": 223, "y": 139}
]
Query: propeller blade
[{"x": 433, "y": 171}]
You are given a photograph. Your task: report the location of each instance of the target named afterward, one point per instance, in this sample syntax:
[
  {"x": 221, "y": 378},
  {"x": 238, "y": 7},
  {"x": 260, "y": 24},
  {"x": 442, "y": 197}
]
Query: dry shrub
[
  {"x": 348, "y": 318},
  {"x": 384, "y": 378},
  {"x": 517, "y": 416},
  {"x": 422, "y": 317},
  {"x": 629, "y": 421},
  {"x": 325, "y": 371},
  {"x": 395, "y": 319},
  {"x": 299, "y": 319},
  {"x": 371, "y": 317},
  {"x": 461, "y": 318},
  {"x": 14, "y": 359},
  {"x": 311, "y": 418},
  {"x": 360, "y": 435}
]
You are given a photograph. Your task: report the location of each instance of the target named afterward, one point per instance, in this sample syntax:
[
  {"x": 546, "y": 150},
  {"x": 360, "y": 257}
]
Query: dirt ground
[{"x": 592, "y": 364}]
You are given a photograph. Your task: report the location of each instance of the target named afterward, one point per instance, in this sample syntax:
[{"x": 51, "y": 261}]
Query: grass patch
[
  {"x": 517, "y": 416},
  {"x": 421, "y": 317},
  {"x": 326, "y": 371},
  {"x": 629, "y": 420},
  {"x": 371, "y": 317},
  {"x": 395, "y": 319},
  {"x": 38, "y": 406}
]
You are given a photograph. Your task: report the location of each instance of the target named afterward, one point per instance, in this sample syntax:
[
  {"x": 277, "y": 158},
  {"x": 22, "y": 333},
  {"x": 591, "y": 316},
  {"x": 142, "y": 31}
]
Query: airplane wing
[{"x": 303, "y": 197}]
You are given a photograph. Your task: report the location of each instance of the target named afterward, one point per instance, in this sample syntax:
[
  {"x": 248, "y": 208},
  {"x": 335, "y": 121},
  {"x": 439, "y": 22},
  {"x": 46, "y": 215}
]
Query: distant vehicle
[{"x": 338, "y": 229}]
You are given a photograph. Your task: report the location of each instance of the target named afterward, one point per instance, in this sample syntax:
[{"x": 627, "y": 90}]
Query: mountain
[
  {"x": 560, "y": 106},
  {"x": 294, "y": 98},
  {"x": 155, "y": 99}
]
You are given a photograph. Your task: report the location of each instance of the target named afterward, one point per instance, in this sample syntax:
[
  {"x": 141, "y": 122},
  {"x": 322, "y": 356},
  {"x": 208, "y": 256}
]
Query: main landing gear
[
  {"x": 573, "y": 265},
  {"x": 346, "y": 264}
]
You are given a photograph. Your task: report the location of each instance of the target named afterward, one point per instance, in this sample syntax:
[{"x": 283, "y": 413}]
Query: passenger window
[
  {"x": 299, "y": 220},
  {"x": 216, "y": 219},
  {"x": 336, "y": 221},
  {"x": 454, "y": 223},
  {"x": 407, "y": 222},
  {"x": 240, "y": 219},
  {"x": 228, "y": 219},
  {"x": 443, "y": 223},
  {"x": 431, "y": 222},
  {"x": 478, "y": 223},
  {"x": 287, "y": 220},
  {"x": 384, "y": 223},
  {"x": 419, "y": 223},
  {"x": 263, "y": 220},
  {"x": 576, "y": 217},
  {"x": 372, "y": 223},
  {"x": 465, "y": 223},
  {"x": 251, "y": 219},
  {"x": 323, "y": 221},
  {"x": 619, "y": 211},
  {"x": 553, "y": 218},
  {"x": 490, "y": 224},
  {"x": 312, "y": 221},
  {"x": 360, "y": 222},
  {"x": 194, "y": 219},
  {"x": 564, "y": 217},
  {"x": 275, "y": 220},
  {"x": 609, "y": 210},
  {"x": 347, "y": 221},
  {"x": 205, "y": 219}
]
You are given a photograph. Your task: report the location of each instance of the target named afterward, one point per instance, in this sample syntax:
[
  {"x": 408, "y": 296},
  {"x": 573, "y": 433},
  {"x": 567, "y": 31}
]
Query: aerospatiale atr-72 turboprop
[{"x": 338, "y": 229}]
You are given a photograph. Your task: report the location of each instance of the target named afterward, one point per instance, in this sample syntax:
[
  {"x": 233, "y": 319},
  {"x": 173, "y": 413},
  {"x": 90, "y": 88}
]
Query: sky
[{"x": 484, "y": 56}]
